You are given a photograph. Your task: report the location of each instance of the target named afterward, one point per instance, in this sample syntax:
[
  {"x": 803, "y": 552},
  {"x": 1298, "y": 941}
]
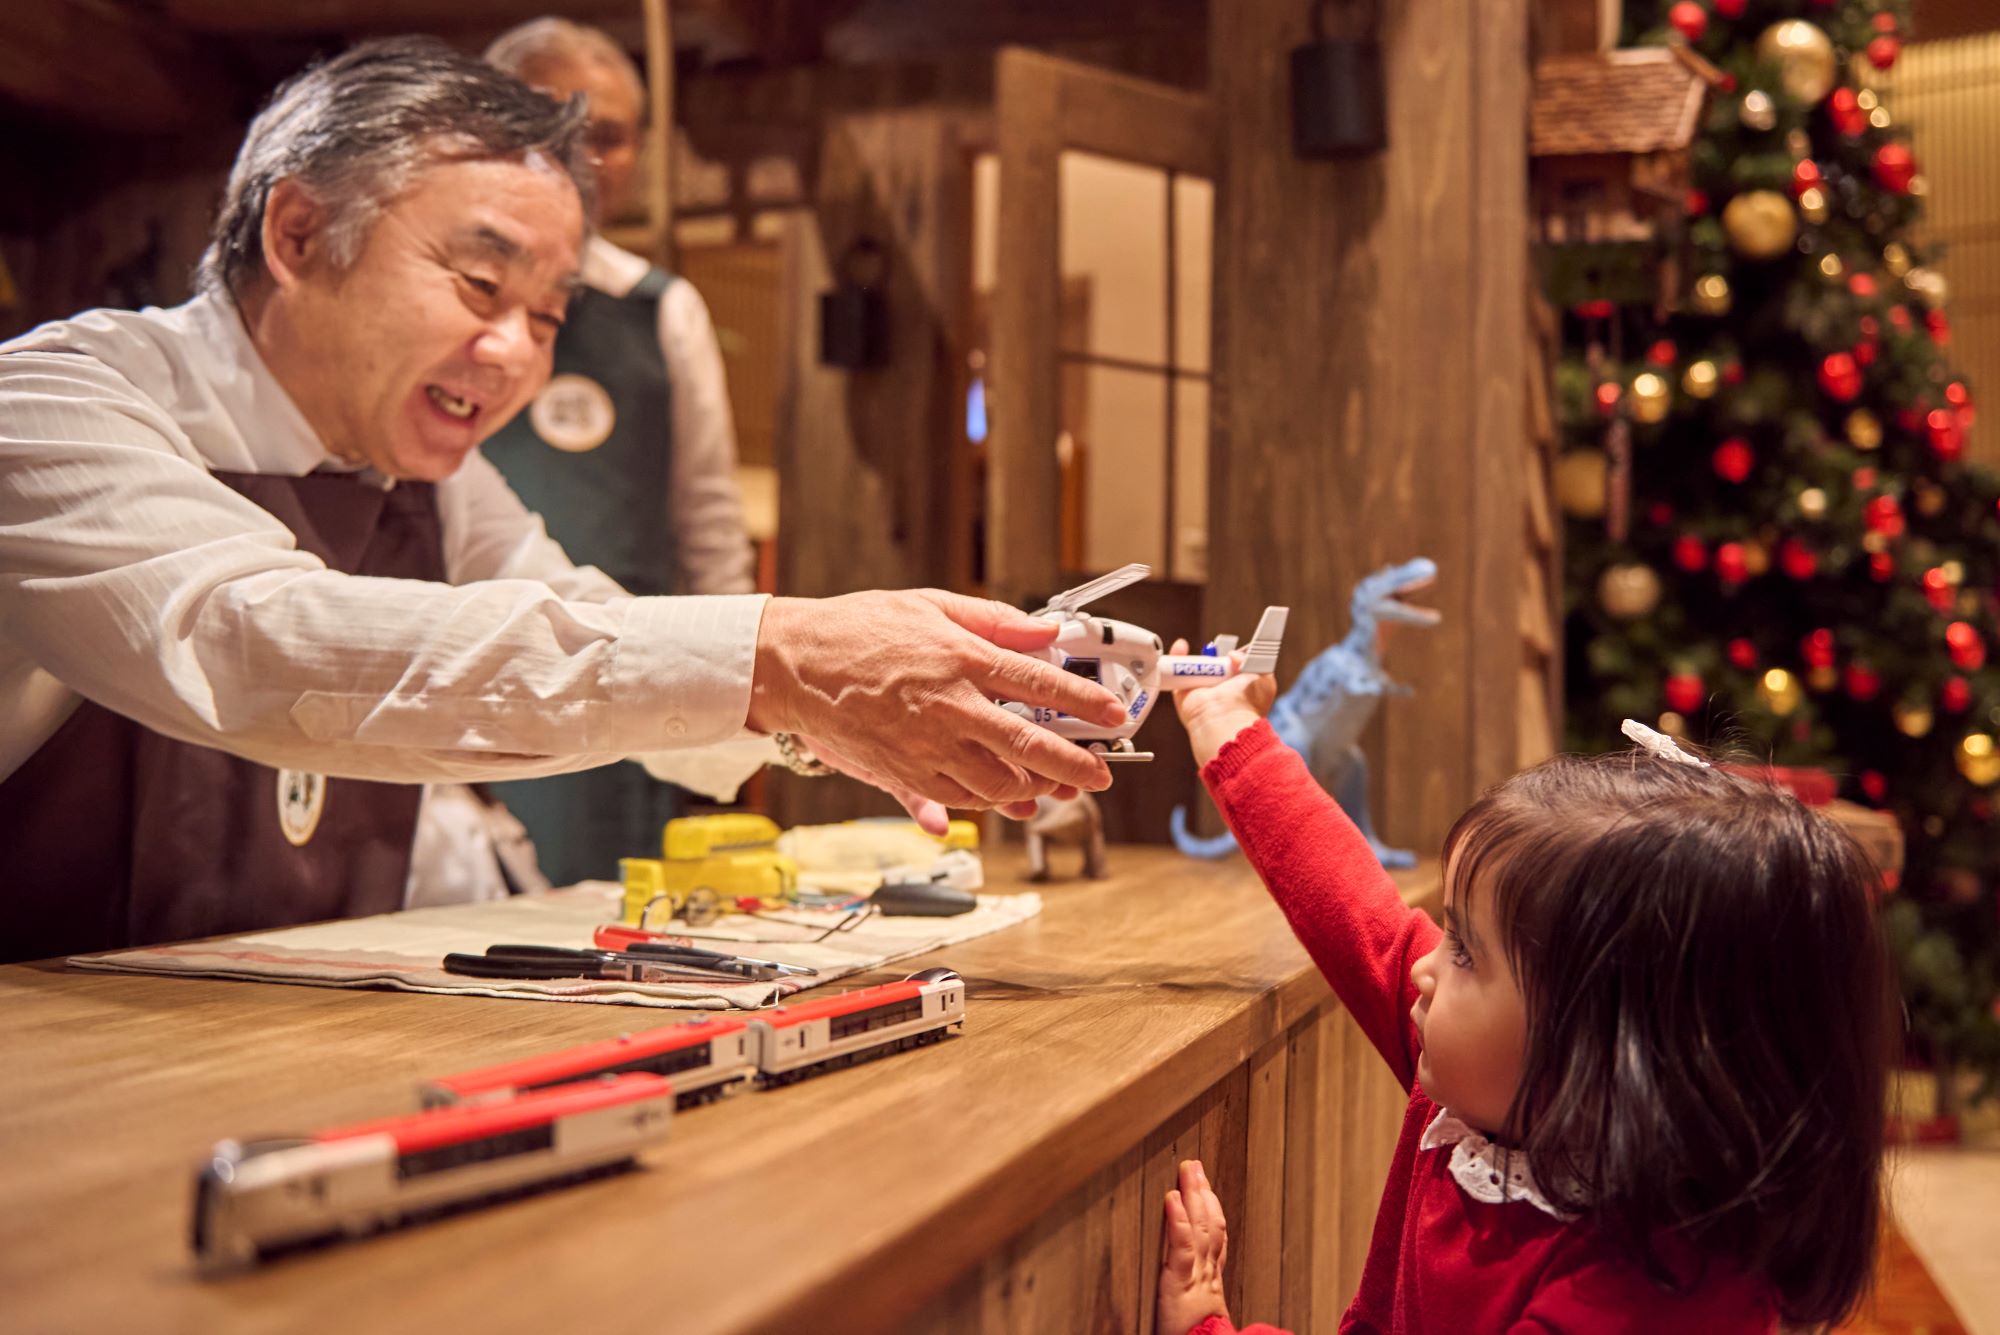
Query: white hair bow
[{"x": 1659, "y": 744}]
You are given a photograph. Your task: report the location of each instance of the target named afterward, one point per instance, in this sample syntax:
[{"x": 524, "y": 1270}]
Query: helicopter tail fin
[{"x": 1261, "y": 654}]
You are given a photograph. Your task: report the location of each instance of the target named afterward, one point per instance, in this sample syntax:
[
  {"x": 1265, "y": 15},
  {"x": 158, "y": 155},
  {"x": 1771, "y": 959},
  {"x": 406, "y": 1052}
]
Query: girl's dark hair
[{"x": 1710, "y": 1021}]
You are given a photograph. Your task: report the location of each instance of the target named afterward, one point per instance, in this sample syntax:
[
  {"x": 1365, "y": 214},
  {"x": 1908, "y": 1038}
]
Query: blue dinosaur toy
[{"x": 1323, "y": 714}]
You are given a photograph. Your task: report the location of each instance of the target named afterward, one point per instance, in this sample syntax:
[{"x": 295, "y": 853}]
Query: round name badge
[
  {"x": 301, "y": 801},
  {"x": 573, "y": 413}
]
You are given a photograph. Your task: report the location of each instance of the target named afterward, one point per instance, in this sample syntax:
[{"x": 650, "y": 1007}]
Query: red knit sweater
[{"x": 1439, "y": 1260}]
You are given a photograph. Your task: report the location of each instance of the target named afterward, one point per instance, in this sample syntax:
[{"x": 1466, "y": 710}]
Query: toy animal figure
[
  {"x": 1323, "y": 714},
  {"x": 1076, "y": 823}
]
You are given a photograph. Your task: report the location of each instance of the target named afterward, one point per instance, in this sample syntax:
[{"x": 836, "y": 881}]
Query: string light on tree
[
  {"x": 1628, "y": 591},
  {"x": 1650, "y": 398},
  {"x": 1779, "y": 691},
  {"x": 1979, "y": 760},
  {"x": 1711, "y": 295}
]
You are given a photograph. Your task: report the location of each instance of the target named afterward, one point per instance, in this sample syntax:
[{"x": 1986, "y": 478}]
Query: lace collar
[{"x": 1483, "y": 1170}]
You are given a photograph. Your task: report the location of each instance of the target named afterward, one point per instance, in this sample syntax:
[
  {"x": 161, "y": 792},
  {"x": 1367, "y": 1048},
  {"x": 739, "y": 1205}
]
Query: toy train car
[
  {"x": 704, "y": 1060},
  {"x": 253, "y": 1198},
  {"x": 824, "y": 1035}
]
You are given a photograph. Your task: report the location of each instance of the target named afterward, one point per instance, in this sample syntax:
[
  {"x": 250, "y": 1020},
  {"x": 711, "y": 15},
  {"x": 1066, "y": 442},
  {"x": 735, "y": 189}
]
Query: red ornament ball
[
  {"x": 1968, "y": 650},
  {"x": 1659, "y": 514},
  {"x": 1864, "y": 478},
  {"x": 1873, "y": 786},
  {"x": 1883, "y": 22},
  {"x": 1899, "y": 316},
  {"x": 1865, "y": 353},
  {"x": 1730, "y": 9},
  {"x": 1732, "y": 566},
  {"x": 1955, "y": 696},
  {"x": 1697, "y": 203},
  {"x": 1895, "y": 167},
  {"x": 1871, "y": 328},
  {"x": 1843, "y": 108},
  {"x": 1884, "y": 515},
  {"x": 1662, "y": 353},
  {"x": 1732, "y": 374},
  {"x": 1684, "y": 692},
  {"x": 1798, "y": 560},
  {"x": 1733, "y": 460},
  {"x": 1597, "y": 309},
  {"x": 1607, "y": 398},
  {"x": 1863, "y": 683},
  {"x": 1883, "y": 50},
  {"x": 1862, "y": 285},
  {"x": 1840, "y": 377},
  {"x": 1939, "y": 325},
  {"x": 1881, "y": 567},
  {"x": 1689, "y": 19},
  {"x": 1805, "y": 175},
  {"x": 1938, "y": 590},
  {"x": 1689, "y": 554},
  {"x": 1742, "y": 653},
  {"x": 1817, "y": 649},
  {"x": 1946, "y": 438},
  {"x": 1957, "y": 395}
]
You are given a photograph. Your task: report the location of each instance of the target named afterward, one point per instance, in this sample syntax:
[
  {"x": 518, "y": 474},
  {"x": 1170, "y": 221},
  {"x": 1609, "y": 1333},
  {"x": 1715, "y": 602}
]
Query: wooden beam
[
  {"x": 108, "y": 67},
  {"x": 660, "y": 140},
  {"x": 315, "y": 17}
]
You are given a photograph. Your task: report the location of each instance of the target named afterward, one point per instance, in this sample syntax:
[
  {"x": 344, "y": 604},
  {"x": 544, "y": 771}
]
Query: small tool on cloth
[
  {"x": 561, "y": 962},
  {"x": 935, "y": 898},
  {"x": 638, "y": 941}
]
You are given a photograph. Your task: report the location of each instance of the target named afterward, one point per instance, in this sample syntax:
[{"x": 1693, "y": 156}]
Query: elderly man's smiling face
[{"x": 443, "y": 325}]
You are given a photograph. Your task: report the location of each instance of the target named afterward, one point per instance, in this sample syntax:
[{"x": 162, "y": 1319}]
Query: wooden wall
[
  {"x": 1370, "y": 377},
  {"x": 1296, "y": 1141}
]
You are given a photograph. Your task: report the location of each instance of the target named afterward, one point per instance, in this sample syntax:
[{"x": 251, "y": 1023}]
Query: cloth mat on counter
[{"x": 405, "y": 950}]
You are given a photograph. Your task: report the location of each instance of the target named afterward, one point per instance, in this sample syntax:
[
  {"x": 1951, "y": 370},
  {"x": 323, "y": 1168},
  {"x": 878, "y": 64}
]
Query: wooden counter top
[{"x": 844, "y": 1203}]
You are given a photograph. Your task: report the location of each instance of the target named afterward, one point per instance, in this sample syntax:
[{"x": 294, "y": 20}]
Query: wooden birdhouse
[{"x": 1609, "y": 138}]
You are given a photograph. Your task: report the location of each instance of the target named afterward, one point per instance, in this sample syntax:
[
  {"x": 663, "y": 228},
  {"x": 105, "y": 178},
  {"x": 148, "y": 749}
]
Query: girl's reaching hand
[{"x": 1214, "y": 714}]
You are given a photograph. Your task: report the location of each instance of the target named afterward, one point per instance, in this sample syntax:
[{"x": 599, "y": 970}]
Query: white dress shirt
[
  {"x": 130, "y": 576},
  {"x": 714, "y": 550}
]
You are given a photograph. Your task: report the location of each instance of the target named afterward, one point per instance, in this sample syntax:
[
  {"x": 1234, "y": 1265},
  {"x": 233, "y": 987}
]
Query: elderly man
[
  {"x": 256, "y": 583},
  {"x": 628, "y": 455}
]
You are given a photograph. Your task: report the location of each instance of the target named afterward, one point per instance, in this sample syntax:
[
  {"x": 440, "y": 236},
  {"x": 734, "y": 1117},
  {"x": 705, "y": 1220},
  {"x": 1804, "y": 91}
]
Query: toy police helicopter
[{"x": 1132, "y": 664}]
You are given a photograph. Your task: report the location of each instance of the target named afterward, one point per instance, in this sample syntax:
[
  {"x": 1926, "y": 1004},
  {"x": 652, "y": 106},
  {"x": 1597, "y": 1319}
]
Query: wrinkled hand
[
  {"x": 898, "y": 688},
  {"x": 1214, "y": 714}
]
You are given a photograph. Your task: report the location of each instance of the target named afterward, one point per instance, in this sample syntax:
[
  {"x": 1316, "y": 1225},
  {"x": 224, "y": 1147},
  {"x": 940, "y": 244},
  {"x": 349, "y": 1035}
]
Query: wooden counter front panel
[{"x": 1297, "y": 1143}]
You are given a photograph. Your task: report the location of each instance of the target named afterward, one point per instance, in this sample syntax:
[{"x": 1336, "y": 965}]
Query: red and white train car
[
  {"x": 824, "y": 1035},
  {"x": 704, "y": 1059},
  {"x": 261, "y": 1196}
]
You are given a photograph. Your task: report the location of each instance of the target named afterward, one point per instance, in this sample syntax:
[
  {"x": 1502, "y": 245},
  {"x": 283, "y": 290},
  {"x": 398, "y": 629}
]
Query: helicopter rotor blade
[{"x": 1084, "y": 594}]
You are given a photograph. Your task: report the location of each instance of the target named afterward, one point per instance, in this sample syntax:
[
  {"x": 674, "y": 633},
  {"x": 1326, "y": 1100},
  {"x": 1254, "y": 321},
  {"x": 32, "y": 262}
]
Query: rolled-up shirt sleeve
[{"x": 135, "y": 578}]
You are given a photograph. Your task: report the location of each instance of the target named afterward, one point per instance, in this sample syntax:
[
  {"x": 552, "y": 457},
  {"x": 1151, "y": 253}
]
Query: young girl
[{"x": 1646, "y": 1055}]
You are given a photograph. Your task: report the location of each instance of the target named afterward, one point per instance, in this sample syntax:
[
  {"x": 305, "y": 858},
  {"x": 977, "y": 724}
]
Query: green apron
[{"x": 591, "y": 455}]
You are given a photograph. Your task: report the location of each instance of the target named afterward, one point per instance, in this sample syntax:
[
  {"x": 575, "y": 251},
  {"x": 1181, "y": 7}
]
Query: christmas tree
[{"x": 1775, "y": 542}]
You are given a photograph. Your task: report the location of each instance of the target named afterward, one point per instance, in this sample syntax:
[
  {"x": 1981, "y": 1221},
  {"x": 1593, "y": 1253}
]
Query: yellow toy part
[{"x": 713, "y": 865}]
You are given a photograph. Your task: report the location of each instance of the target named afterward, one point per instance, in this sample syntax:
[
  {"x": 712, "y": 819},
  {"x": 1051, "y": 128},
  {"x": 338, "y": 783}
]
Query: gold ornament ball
[
  {"x": 1913, "y": 720},
  {"x": 1628, "y": 591},
  {"x": 1804, "y": 56},
  {"x": 1864, "y": 430},
  {"x": 1700, "y": 379},
  {"x": 1823, "y": 678},
  {"x": 1896, "y": 259},
  {"x": 1756, "y": 559},
  {"x": 1711, "y": 295},
  {"x": 1758, "y": 112},
  {"x": 1761, "y": 224},
  {"x": 1874, "y": 543},
  {"x": 1650, "y": 398},
  {"x": 1979, "y": 760},
  {"x": 1580, "y": 476},
  {"x": 1929, "y": 285},
  {"x": 1930, "y": 501},
  {"x": 1812, "y": 503},
  {"x": 1673, "y": 725},
  {"x": 1812, "y": 204},
  {"x": 1953, "y": 571},
  {"x": 1779, "y": 690}
]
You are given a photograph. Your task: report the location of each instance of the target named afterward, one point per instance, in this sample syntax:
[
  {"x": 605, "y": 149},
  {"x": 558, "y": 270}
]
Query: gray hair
[
  {"x": 355, "y": 130},
  {"x": 527, "y": 48}
]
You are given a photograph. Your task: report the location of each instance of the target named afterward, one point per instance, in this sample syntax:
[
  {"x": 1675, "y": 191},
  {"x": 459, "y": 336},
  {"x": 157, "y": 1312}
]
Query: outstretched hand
[
  {"x": 1214, "y": 714},
  {"x": 898, "y": 689}
]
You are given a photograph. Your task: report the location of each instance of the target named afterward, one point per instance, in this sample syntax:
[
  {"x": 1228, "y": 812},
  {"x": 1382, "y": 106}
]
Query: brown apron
[{"x": 112, "y": 835}]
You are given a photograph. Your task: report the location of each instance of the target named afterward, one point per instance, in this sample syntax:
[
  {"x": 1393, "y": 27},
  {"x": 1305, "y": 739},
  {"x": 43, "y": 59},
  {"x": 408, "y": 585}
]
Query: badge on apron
[
  {"x": 301, "y": 799},
  {"x": 573, "y": 413}
]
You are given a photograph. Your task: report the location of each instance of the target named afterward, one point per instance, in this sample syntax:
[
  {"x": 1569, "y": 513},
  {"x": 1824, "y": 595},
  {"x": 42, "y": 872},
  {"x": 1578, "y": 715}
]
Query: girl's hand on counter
[{"x": 1214, "y": 714}]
